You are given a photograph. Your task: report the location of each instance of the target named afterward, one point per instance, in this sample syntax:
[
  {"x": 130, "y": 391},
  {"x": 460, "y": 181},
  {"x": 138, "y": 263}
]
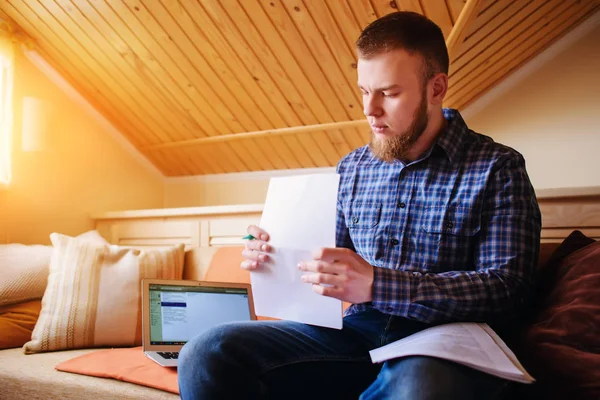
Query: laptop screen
[{"x": 178, "y": 313}]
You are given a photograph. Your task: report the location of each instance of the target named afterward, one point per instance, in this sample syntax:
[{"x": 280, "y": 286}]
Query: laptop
[{"x": 174, "y": 311}]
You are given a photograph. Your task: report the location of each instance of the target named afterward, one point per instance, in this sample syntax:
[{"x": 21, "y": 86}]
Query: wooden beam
[
  {"x": 262, "y": 134},
  {"x": 460, "y": 28}
]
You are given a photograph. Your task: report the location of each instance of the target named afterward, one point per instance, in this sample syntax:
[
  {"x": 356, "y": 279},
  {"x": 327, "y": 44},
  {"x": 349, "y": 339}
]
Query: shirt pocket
[
  {"x": 448, "y": 237},
  {"x": 363, "y": 222},
  {"x": 364, "y": 214}
]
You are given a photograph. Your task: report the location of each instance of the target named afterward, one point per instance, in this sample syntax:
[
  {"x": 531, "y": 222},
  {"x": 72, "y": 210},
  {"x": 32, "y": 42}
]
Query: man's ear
[{"x": 438, "y": 86}]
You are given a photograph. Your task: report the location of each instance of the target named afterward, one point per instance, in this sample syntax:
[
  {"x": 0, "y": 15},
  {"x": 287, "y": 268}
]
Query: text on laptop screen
[{"x": 178, "y": 313}]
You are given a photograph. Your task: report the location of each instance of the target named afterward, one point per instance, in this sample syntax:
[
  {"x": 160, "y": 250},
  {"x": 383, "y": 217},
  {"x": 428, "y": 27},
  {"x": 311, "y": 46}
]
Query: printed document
[
  {"x": 472, "y": 344},
  {"x": 299, "y": 215}
]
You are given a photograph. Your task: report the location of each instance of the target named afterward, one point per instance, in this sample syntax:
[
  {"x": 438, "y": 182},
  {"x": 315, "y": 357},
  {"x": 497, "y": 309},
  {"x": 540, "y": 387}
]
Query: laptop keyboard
[{"x": 169, "y": 355}]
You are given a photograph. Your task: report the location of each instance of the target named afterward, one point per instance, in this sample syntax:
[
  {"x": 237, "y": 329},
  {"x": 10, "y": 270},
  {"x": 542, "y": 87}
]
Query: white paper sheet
[{"x": 299, "y": 215}]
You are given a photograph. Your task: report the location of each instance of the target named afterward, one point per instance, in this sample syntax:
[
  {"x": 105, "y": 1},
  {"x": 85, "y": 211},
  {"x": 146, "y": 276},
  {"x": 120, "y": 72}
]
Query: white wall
[{"x": 553, "y": 117}]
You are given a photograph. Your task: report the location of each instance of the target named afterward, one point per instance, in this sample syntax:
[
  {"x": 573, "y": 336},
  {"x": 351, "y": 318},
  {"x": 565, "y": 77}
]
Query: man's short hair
[{"x": 408, "y": 31}]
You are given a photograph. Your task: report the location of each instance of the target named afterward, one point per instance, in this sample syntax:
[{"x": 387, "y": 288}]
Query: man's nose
[{"x": 370, "y": 106}]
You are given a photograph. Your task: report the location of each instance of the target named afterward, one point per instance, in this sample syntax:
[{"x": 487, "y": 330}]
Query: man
[{"x": 436, "y": 224}]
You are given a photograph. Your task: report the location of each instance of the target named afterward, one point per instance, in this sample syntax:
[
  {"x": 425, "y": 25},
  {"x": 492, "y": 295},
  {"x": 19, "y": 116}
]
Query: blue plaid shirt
[{"x": 453, "y": 236}]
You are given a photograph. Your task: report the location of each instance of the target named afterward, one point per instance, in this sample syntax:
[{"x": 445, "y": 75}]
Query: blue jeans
[{"x": 289, "y": 360}]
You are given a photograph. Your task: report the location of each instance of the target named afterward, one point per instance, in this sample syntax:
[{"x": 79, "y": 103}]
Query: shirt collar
[{"x": 452, "y": 139}]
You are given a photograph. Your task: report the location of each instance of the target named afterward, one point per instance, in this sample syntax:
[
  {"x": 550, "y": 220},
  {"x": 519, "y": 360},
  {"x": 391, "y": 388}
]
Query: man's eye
[{"x": 389, "y": 94}]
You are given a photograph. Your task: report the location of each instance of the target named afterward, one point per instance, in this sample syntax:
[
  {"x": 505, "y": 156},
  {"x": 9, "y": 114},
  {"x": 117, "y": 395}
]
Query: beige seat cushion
[{"x": 33, "y": 376}]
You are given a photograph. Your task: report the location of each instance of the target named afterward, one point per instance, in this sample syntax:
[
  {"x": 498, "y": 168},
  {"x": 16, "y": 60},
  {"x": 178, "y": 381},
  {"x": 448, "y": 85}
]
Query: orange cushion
[
  {"x": 225, "y": 266},
  {"x": 126, "y": 364},
  {"x": 17, "y": 322}
]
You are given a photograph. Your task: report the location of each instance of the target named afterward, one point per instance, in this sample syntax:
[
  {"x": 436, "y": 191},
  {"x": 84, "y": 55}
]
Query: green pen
[{"x": 248, "y": 237}]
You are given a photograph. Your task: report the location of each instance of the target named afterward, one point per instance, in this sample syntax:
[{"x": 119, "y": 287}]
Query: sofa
[{"x": 34, "y": 376}]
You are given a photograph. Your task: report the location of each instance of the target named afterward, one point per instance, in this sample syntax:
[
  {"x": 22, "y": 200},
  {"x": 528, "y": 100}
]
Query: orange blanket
[{"x": 127, "y": 364}]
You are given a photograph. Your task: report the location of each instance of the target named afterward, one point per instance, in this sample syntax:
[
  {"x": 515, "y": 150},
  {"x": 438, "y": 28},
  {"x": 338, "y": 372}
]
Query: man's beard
[{"x": 398, "y": 146}]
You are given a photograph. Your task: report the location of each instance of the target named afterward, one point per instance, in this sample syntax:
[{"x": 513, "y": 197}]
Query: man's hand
[
  {"x": 255, "y": 251},
  {"x": 344, "y": 273}
]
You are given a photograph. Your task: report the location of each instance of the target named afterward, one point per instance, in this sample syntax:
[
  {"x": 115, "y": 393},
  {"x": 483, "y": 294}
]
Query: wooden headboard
[
  {"x": 203, "y": 229},
  {"x": 564, "y": 210}
]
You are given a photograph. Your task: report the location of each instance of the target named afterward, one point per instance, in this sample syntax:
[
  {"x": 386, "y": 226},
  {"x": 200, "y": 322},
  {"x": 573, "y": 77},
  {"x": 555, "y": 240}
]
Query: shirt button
[
  {"x": 401, "y": 205},
  {"x": 394, "y": 242},
  {"x": 389, "y": 309},
  {"x": 449, "y": 225},
  {"x": 355, "y": 220}
]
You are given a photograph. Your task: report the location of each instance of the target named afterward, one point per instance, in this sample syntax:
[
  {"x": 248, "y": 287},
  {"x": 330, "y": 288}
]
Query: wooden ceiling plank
[
  {"x": 527, "y": 55},
  {"x": 456, "y": 37},
  {"x": 47, "y": 25},
  {"x": 342, "y": 14},
  {"x": 505, "y": 16},
  {"x": 106, "y": 108},
  {"x": 265, "y": 153},
  {"x": 147, "y": 66},
  {"x": 148, "y": 51},
  {"x": 188, "y": 165},
  {"x": 222, "y": 151},
  {"x": 340, "y": 141},
  {"x": 455, "y": 7},
  {"x": 175, "y": 169},
  {"x": 320, "y": 28},
  {"x": 357, "y": 139},
  {"x": 411, "y": 5},
  {"x": 202, "y": 56},
  {"x": 141, "y": 122},
  {"x": 262, "y": 18},
  {"x": 502, "y": 32},
  {"x": 508, "y": 43},
  {"x": 384, "y": 7},
  {"x": 147, "y": 29},
  {"x": 201, "y": 161},
  {"x": 272, "y": 147},
  {"x": 363, "y": 12},
  {"x": 298, "y": 31},
  {"x": 437, "y": 11},
  {"x": 539, "y": 43},
  {"x": 22, "y": 15},
  {"x": 263, "y": 65},
  {"x": 269, "y": 43},
  {"x": 52, "y": 28},
  {"x": 194, "y": 19},
  {"x": 488, "y": 10},
  {"x": 346, "y": 60},
  {"x": 526, "y": 48},
  {"x": 119, "y": 52},
  {"x": 211, "y": 45},
  {"x": 78, "y": 27},
  {"x": 152, "y": 54}
]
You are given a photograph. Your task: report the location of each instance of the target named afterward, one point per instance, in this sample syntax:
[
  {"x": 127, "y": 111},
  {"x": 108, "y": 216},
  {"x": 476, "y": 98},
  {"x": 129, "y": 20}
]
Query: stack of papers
[{"x": 472, "y": 344}]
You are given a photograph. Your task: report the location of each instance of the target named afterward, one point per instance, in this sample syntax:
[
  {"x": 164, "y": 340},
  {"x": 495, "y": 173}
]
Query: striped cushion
[
  {"x": 93, "y": 295},
  {"x": 23, "y": 271}
]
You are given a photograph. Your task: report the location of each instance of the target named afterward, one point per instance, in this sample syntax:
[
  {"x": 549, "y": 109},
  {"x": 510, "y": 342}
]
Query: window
[{"x": 6, "y": 112}]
